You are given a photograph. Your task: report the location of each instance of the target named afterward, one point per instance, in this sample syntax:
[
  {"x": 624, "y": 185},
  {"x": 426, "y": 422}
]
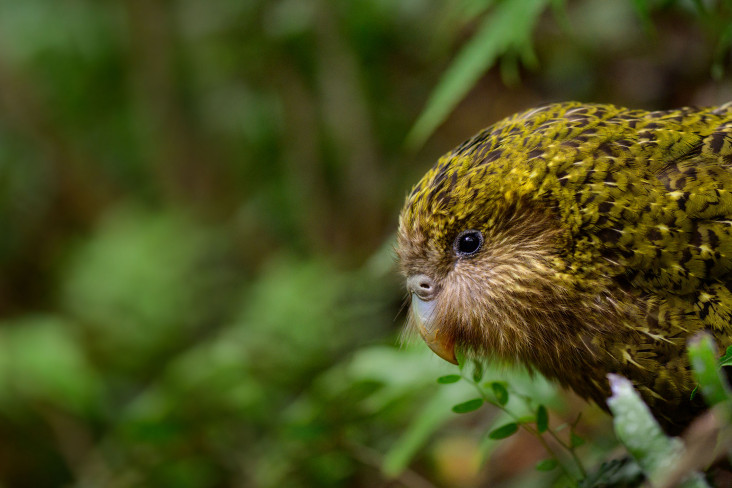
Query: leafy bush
[{"x": 197, "y": 203}]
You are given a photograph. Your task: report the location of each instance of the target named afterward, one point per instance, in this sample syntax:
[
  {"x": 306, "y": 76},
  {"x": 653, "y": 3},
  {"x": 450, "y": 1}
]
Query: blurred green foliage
[{"x": 197, "y": 202}]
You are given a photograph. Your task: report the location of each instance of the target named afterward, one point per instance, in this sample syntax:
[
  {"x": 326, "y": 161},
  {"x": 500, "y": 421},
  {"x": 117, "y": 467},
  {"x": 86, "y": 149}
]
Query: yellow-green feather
[{"x": 644, "y": 204}]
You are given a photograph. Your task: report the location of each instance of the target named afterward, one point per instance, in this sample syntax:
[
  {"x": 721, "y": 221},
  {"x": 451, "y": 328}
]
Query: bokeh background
[{"x": 197, "y": 208}]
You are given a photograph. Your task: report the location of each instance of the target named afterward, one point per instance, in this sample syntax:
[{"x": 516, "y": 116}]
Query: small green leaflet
[
  {"x": 477, "y": 371},
  {"x": 500, "y": 392},
  {"x": 460, "y": 356},
  {"x": 542, "y": 419},
  {"x": 468, "y": 406},
  {"x": 575, "y": 440},
  {"x": 504, "y": 431},
  {"x": 706, "y": 368},
  {"x": 447, "y": 379},
  {"x": 726, "y": 360}
]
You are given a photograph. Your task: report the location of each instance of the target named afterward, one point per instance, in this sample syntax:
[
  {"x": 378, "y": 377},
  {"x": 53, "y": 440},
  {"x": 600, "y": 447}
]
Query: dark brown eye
[{"x": 468, "y": 242}]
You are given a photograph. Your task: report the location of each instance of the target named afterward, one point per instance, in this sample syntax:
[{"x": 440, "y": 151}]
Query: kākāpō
[{"x": 579, "y": 240}]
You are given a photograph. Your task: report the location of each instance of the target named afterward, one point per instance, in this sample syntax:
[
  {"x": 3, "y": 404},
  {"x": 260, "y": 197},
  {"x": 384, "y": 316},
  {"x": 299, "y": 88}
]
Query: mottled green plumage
[{"x": 608, "y": 243}]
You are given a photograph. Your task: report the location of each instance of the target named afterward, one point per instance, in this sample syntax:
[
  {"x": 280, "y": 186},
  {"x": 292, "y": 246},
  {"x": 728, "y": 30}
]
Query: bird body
[{"x": 580, "y": 240}]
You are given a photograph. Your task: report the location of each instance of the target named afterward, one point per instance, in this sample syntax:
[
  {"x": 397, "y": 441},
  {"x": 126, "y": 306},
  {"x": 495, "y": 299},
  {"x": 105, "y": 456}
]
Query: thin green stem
[
  {"x": 571, "y": 451},
  {"x": 553, "y": 433},
  {"x": 530, "y": 430}
]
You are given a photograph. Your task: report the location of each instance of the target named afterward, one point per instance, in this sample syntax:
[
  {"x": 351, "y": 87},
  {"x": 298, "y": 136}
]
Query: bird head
[
  {"x": 483, "y": 244},
  {"x": 479, "y": 257}
]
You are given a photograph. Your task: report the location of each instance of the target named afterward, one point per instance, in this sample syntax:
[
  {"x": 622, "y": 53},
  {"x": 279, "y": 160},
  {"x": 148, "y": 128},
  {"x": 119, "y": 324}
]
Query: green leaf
[
  {"x": 546, "y": 465},
  {"x": 477, "y": 371},
  {"x": 542, "y": 419},
  {"x": 472, "y": 9},
  {"x": 447, "y": 379},
  {"x": 575, "y": 440},
  {"x": 704, "y": 364},
  {"x": 461, "y": 359},
  {"x": 468, "y": 406},
  {"x": 726, "y": 360},
  {"x": 504, "y": 431},
  {"x": 507, "y": 27},
  {"x": 500, "y": 392}
]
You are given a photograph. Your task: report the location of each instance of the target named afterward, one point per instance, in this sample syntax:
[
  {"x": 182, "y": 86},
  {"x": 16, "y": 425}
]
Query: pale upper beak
[{"x": 423, "y": 292}]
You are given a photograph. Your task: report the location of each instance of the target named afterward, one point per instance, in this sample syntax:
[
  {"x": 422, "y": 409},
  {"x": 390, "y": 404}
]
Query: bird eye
[{"x": 468, "y": 242}]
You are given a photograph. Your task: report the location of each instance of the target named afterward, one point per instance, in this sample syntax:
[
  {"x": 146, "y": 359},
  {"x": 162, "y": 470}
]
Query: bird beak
[{"x": 441, "y": 344}]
